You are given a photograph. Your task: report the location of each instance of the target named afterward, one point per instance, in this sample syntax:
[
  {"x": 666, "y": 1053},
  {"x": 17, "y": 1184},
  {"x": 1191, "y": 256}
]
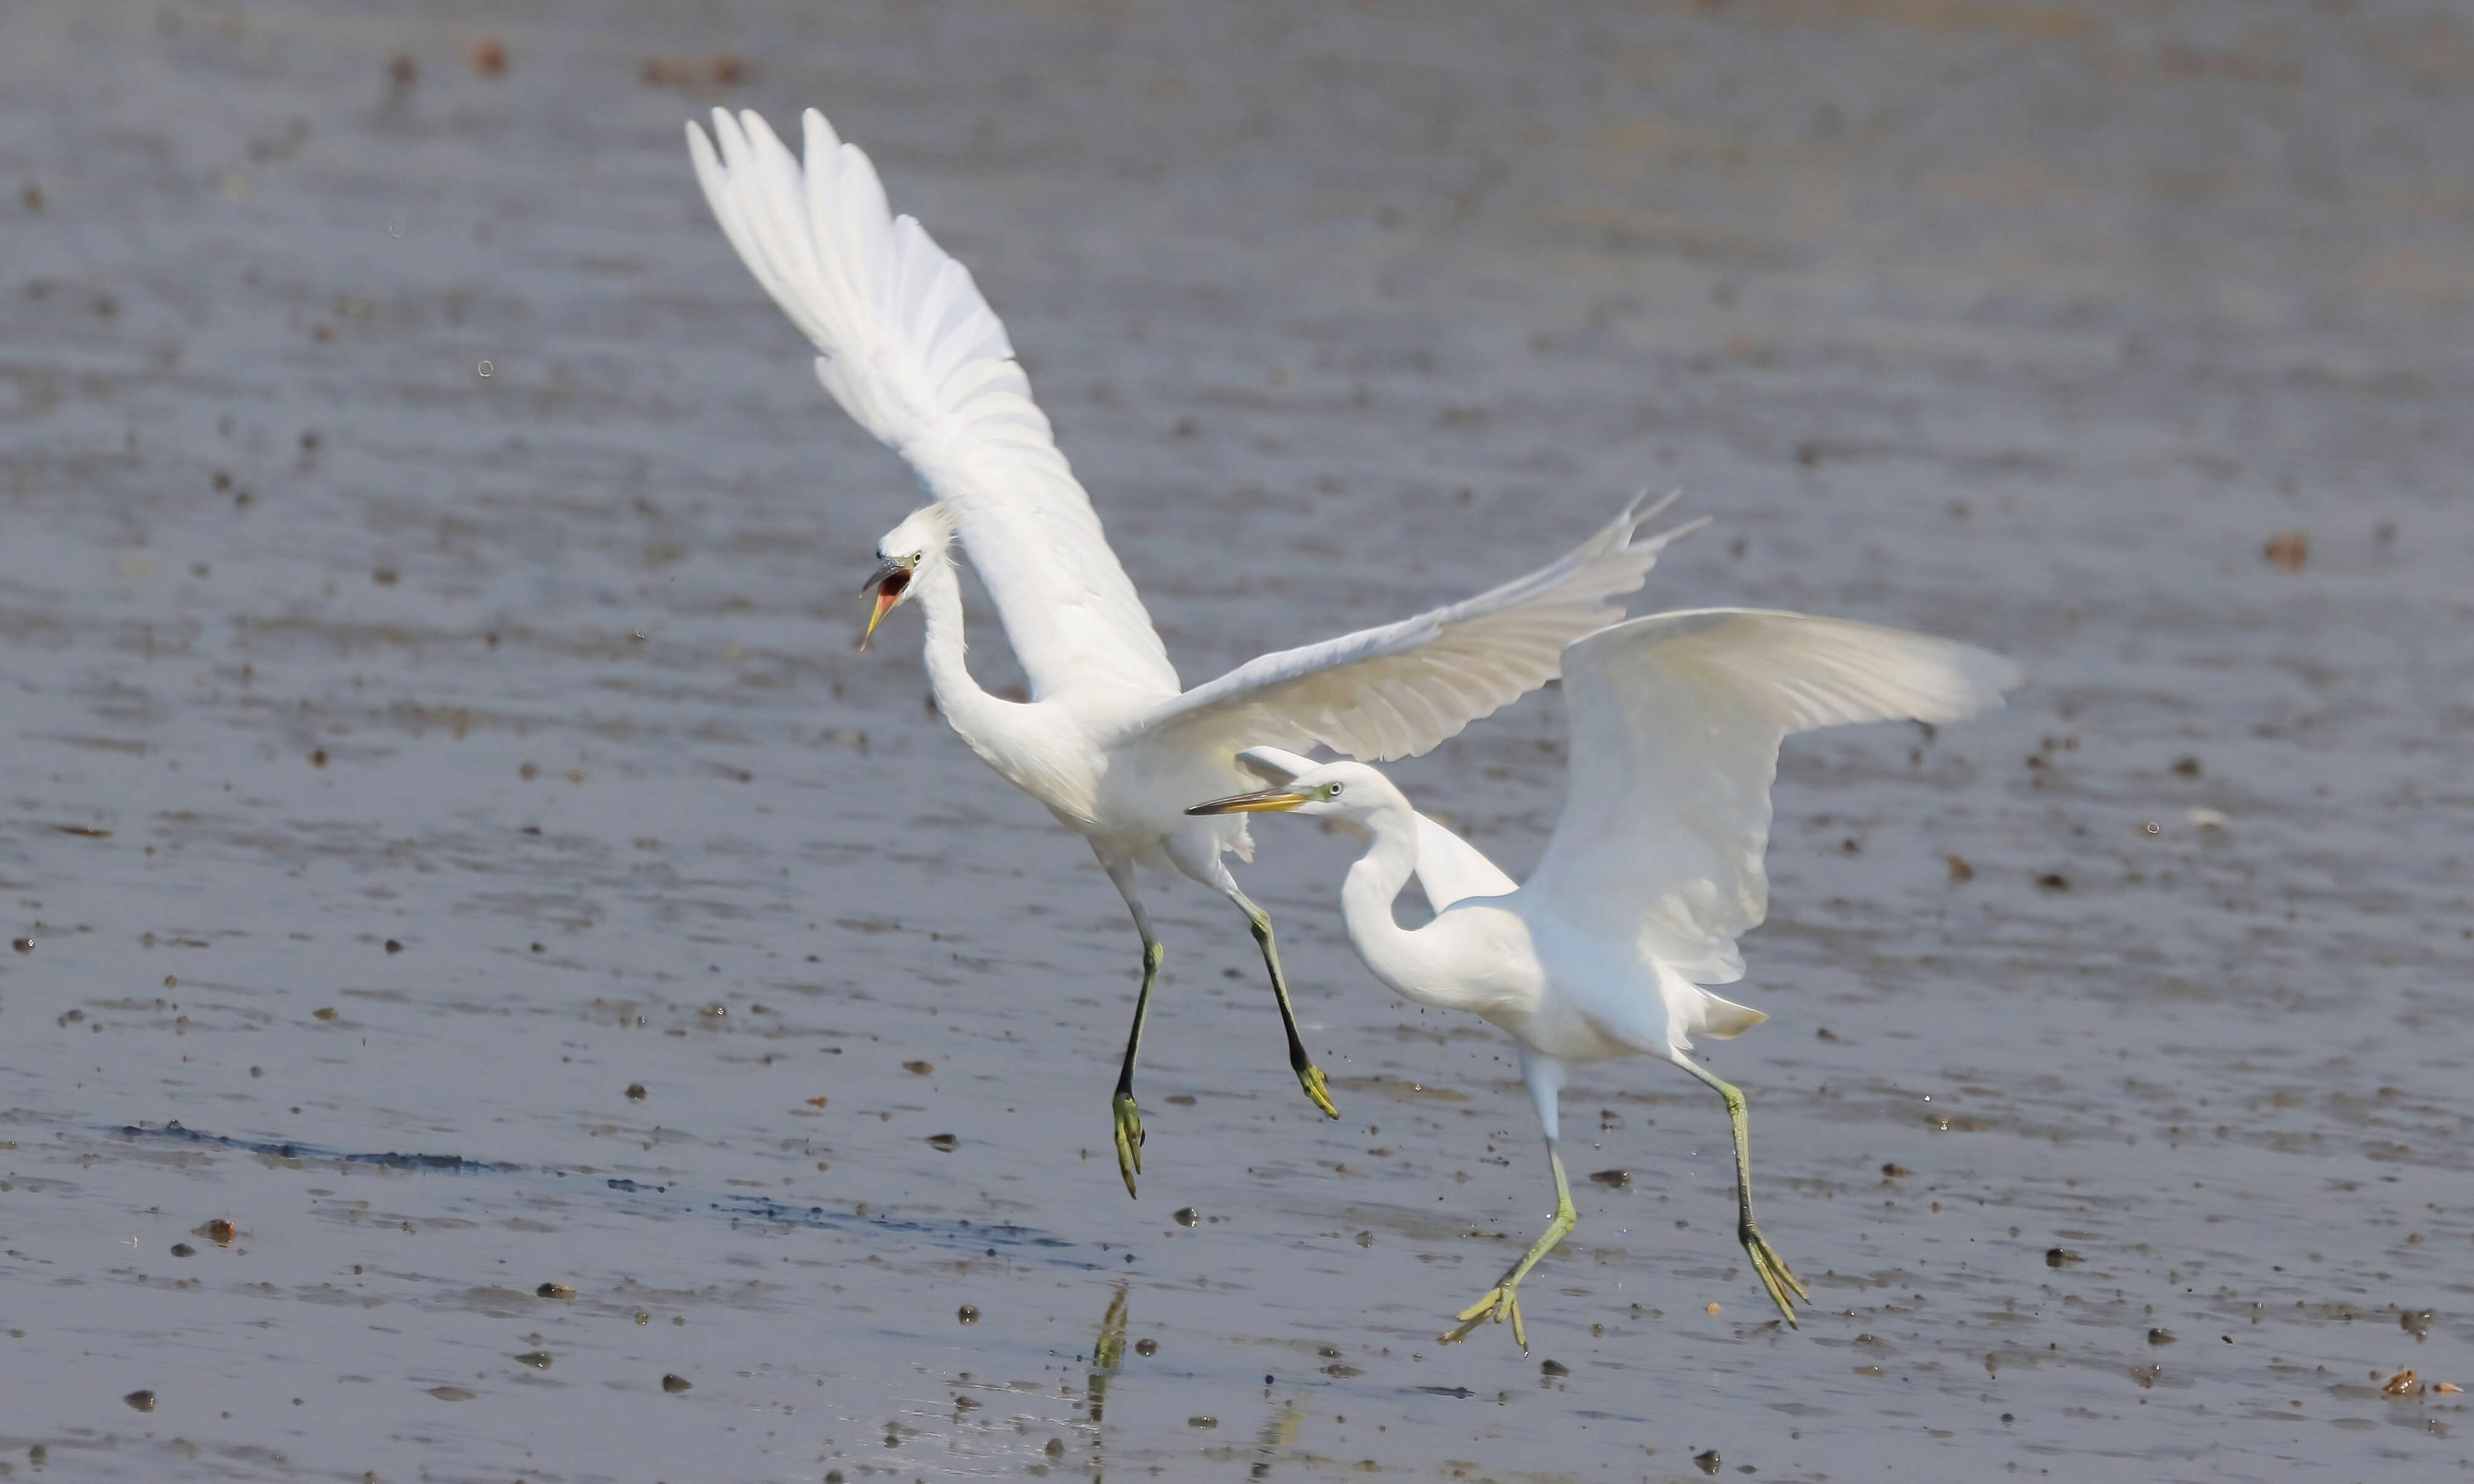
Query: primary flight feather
[{"x": 1109, "y": 740}]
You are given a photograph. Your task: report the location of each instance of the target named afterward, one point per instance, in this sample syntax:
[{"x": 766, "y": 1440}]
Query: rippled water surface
[{"x": 448, "y": 836}]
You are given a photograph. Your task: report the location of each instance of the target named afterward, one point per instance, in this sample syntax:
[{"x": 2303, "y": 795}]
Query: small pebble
[
  {"x": 676, "y": 1383},
  {"x": 1713, "y": 1307},
  {"x": 918, "y": 1068},
  {"x": 1056, "y": 1448},
  {"x": 2059, "y": 1257},
  {"x": 1618, "y": 1179},
  {"x": 183, "y": 1250},
  {"x": 1152, "y": 1348},
  {"x": 636, "y": 1091},
  {"x": 538, "y": 1360},
  {"x": 22, "y": 944},
  {"x": 141, "y": 1401},
  {"x": 969, "y": 1313},
  {"x": 219, "y": 1230},
  {"x": 393, "y": 947},
  {"x": 1185, "y": 1217},
  {"x": 555, "y": 1291},
  {"x": 943, "y": 1142},
  {"x": 1553, "y": 1368}
]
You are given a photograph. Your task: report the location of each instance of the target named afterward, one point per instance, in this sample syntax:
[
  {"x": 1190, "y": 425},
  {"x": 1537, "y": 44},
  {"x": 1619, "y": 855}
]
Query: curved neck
[
  {"x": 969, "y": 710},
  {"x": 1366, "y": 898}
]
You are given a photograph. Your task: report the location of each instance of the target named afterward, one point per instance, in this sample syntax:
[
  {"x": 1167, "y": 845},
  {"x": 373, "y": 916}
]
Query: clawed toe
[
  {"x": 1130, "y": 1139},
  {"x": 1777, "y": 1278},
  {"x": 1310, "y": 1077},
  {"x": 1501, "y": 1302}
]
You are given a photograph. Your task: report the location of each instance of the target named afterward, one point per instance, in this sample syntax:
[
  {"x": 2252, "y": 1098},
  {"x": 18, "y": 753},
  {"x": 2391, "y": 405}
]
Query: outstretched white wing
[
  {"x": 913, "y": 354},
  {"x": 1399, "y": 690},
  {"x": 1676, "y": 721}
]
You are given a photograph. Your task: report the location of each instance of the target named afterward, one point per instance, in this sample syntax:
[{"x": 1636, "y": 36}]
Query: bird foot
[
  {"x": 1501, "y": 1302},
  {"x": 1776, "y": 1277},
  {"x": 1130, "y": 1139},
  {"x": 1310, "y": 1078}
]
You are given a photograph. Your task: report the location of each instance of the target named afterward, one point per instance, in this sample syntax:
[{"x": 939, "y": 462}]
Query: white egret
[
  {"x": 1110, "y": 741},
  {"x": 1653, "y": 869}
]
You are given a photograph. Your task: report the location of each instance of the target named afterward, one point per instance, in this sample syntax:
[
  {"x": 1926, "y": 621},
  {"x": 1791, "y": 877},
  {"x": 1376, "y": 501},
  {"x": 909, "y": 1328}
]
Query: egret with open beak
[
  {"x": 1103, "y": 733},
  {"x": 891, "y": 584}
]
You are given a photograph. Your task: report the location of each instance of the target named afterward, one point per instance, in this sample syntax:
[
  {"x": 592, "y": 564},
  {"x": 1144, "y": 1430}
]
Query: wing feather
[
  {"x": 1676, "y": 721},
  {"x": 911, "y": 349},
  {"x": 1401, "y": 689}
]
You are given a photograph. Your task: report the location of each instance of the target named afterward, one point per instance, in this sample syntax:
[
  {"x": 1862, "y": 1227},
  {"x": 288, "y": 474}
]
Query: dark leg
[{"x": 1127, "y": 1118}]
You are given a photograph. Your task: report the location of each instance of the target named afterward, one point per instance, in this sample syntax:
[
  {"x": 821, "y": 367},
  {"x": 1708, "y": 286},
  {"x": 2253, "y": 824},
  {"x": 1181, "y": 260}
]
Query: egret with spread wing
[
  {"x": 1109, "y": 740},
  {"x": 1653, "y": 869}
]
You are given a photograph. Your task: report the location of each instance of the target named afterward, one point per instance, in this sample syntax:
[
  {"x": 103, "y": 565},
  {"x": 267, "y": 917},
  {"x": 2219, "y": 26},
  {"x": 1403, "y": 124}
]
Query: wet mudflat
[{"x": 631, "y": 1040}]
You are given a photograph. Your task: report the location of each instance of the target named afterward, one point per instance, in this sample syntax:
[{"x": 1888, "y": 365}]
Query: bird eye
[{"x": 1331, "y": 790}]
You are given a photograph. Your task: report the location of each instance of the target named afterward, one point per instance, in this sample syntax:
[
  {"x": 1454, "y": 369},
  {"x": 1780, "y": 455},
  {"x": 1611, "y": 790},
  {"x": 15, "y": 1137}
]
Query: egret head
[
  {"x": 1347, "y": 790},
  {"x": 922, "y": 537}
]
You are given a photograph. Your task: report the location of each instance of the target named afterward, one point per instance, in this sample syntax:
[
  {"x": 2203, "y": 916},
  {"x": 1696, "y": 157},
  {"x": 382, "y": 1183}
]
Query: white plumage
[
  {"x": 1655, "y": 867},
  {"x": 911, "y": 351},
  {"x": 1109, "y": 740}
]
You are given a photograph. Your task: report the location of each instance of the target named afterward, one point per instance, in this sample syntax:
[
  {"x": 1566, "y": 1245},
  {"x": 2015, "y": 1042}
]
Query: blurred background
[{"x": 431, "y": 730}]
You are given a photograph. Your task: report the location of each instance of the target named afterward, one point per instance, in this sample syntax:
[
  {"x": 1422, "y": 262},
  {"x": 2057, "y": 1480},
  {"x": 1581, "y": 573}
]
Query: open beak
[
  {"x": 1268, "y": 801},
  {"x": 890, "y": 581}
]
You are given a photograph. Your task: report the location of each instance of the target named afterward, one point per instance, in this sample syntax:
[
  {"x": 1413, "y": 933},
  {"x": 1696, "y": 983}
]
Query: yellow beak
[
  {"x": 888, "y": 592},
  {"x": 1268, "y": 801},
  {"x": 885, "y": 602}
]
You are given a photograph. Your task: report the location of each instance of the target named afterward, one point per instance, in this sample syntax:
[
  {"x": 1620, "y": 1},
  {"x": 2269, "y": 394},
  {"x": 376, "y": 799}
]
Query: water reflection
[
  {"x": 1108, "y": 1352},
  {"x": 1278, "y": 1435}
]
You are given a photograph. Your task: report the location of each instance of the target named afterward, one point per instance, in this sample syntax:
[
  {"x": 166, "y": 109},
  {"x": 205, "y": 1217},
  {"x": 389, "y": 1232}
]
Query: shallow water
[{"x": 401, "y": 764}]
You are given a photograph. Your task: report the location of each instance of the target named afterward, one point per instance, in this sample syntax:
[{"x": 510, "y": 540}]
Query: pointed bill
[{"x": 1267, "y": 800}]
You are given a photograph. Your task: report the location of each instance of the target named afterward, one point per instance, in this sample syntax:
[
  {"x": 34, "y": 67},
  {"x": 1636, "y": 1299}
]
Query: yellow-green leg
[
  {"x": 1309, "y": 1075},
  {"x": 1129, "y": 1119},
  {"x": 1503, "y": 1299},
  {"x": 1775, "y": 1275}
]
